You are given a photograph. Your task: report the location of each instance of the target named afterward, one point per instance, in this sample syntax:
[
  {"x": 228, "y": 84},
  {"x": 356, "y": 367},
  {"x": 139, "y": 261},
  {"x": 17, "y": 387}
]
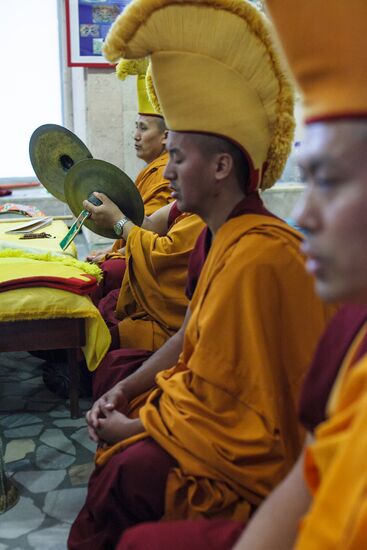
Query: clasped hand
[{"x": 107, "y": 421}]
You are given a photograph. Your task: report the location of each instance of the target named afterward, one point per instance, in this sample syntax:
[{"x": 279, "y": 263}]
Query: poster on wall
[{"x": 87, "y": 24}]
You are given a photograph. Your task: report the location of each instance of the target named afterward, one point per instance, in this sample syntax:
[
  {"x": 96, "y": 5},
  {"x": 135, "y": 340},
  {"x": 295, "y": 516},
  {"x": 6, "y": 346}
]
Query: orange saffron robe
[
  {"x": 152, "y": 185},
  {"x": 227, "y": 411},
  {"x": 152, "y": 302},
  {"x": 153, "y": 188},
  {"x": 335, "y": 464}
]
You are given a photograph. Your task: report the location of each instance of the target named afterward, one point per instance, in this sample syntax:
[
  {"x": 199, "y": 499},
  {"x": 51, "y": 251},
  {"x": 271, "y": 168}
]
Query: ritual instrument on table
[
  {"x": 66, "y": 168},
  {"x": 41, "y": 235}
]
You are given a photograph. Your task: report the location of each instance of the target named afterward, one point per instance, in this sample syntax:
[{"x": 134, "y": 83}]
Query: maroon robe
[
  {"x": 207, "y": 534},
  {"x": 113, "y": 273},
  {"x": 131, "y": 488},
  {"x": 327, "y": 361}
]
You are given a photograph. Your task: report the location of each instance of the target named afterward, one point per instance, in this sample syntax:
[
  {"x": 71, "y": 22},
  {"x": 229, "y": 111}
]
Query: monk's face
[
  {"x": 333, "y": 209},
  {"x": 149, "y": 138},
  {"x": 190, "y": 172}
]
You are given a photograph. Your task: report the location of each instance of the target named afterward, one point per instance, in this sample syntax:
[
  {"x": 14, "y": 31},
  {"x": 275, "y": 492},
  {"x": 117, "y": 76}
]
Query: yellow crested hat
[
  {"x": 215, "y": 70},
  {"x": 325, "y": 43},
  {"x": 138, "y": 67}
]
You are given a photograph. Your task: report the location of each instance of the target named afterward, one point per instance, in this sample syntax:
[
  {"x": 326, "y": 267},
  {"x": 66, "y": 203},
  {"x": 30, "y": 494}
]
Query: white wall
[
  {"x": 104, "y": 113},
  {"x": 30, "y": 79}
]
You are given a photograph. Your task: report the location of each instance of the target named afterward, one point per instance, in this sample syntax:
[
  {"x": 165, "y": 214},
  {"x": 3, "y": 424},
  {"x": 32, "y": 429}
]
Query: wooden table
[{"x": 47, "y": 334}]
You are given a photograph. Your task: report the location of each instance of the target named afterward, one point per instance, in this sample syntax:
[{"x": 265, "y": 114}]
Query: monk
[
  {"x": 149, "y": 138},
  {"x": 150, "y": 305},
  {"x": 324, "y": 475},
  {"x": 322, "y": 502},
  {"x": 219, "y": 430}
]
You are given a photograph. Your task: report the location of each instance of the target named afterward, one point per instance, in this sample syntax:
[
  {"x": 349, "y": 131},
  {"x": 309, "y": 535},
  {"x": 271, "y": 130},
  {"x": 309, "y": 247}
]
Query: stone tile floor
[{"x": 47, "y": 454}]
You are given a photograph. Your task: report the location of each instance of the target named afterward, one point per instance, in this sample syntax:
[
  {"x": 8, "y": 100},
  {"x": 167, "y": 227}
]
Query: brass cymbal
[
  {"x": 53, "y": 150},
  {"x": 97, "y": 175}
]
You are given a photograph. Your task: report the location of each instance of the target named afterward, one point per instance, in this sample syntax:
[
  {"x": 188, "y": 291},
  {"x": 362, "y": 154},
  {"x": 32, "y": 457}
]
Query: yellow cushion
[{"x": 15, "y": 264}]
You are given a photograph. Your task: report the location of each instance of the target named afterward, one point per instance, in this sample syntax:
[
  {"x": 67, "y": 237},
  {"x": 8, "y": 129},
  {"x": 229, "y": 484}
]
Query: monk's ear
[
  {"x": 224, "y": 165},
  {"x": 165, "y": 137}
]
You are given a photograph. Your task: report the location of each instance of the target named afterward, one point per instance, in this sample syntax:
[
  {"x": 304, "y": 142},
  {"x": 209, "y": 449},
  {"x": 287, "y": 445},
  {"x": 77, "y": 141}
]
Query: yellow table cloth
[
  {"x": 57, "y": 230},
  {"x": 26, "y": 258}
]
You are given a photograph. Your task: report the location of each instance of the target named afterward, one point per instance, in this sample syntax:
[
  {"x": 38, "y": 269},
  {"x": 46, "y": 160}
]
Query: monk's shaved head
[
  {"x": 212, "y": 145},
  {"x": 161, "y": 124}
]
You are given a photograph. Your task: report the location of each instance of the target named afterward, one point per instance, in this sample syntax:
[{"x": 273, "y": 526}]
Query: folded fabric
[
  {"x": 72, "y": 284},
  {"x": 62, "y": 273},
  {"x": 55, "y": 264}
]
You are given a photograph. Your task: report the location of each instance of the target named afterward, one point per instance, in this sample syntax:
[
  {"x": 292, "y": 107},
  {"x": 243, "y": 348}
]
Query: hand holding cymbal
[
  {"x": 105, "y": 215},
  {"x": 92, "y": 175}
]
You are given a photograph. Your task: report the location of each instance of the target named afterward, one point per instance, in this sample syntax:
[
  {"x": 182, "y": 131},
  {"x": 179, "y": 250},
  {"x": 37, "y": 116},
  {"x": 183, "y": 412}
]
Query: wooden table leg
[
  {"x": 73, "y": 366},
  {"x": 48, "y": 334}
]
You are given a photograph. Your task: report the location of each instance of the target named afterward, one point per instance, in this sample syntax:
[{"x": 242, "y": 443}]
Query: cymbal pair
[{"x": 66, "y": 168}]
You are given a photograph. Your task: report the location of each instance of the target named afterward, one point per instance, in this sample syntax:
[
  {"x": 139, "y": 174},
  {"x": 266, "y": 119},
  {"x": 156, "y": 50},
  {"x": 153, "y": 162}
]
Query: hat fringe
[
  {"x": 152, "y": 95},
  {"x": 130, "y": 67},
  {"x": 282, "y": 139}
]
